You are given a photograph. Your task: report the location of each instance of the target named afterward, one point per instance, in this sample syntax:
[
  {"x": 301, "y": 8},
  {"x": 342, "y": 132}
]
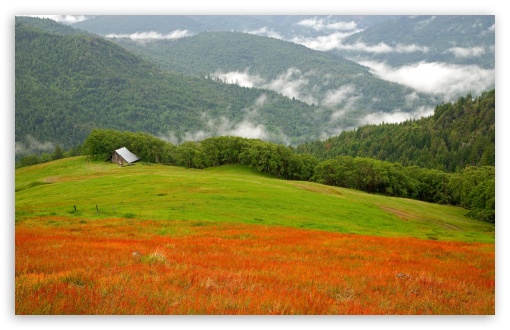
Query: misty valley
[{"x": 275, "y": 164}]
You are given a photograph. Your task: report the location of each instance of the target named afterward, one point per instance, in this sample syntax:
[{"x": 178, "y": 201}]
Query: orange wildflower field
[{"x": 128, "y": 266}]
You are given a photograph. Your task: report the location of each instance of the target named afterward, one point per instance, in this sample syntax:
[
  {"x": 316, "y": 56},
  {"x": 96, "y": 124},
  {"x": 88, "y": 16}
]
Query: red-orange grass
[{"x": 241, "y": 269}]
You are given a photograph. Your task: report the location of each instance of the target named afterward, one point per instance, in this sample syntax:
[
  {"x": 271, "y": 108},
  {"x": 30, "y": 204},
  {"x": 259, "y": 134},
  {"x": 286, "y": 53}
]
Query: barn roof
[{"x": 127, "y": 155}]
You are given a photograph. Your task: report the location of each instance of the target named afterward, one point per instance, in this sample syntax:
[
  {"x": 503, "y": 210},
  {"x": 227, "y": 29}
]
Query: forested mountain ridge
[
  {"x": 69, "y": 83},
  {"x": 50, "y": 26},
  {"x": 441, "y": 56},
  {"x": 208, "y": 52},
  {"x": 286, "y": 26},
  {"x": 458, "y": 134},
  {"x": 459, "y": 39},
  {"x": 345, "y": 90}
]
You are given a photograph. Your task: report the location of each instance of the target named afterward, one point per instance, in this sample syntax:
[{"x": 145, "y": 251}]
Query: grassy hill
[{"x": 228, "y": 194}]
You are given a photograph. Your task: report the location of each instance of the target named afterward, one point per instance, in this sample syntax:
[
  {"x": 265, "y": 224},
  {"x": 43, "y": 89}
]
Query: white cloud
[
  {"x": 67, "y": 19},
  {"x": 446, "y": 80},
  {"x": 261, "y": 100},
  {"x": 244, "y": 79},
  {"x": 320, "y": 24},
  {"x": 313, "y": 23},
  {"x": 396, "y": 116},
  {"x": 248, "y": 127},
  {"x": 196, "y": 136},
  {"x": 345, "y": 94},
  {"x": 363, "y": 47},
  {"x": 461, "y": 52},
  {"x": 342, "y": 26},
  {"x": 338, "y": 114},
  {"x": 384, "y": 48},
  {"x": 264, "y": 31},
  {"x": 32, "y": 145},
  {"x": 249, "y": 130},
  {"x": 410, "y": 98},
  {"x": 323, "y": 43},
  {"x": 169, "y": 137},
  {"x": 413, "y": 48},
  {"x": 151, "y": 35},
  {"x": 292, "y": 83},
  {"x": 223, "y": 127},
  {"x": 335, "y": 41}
]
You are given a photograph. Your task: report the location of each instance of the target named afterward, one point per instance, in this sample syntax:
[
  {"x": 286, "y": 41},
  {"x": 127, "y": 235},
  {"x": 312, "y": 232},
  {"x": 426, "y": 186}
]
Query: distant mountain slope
[
  {"x": 68, "y": 83},
  {"x": 459, "y": 39},
  {"x": 285, "y": 26},
  {"x": 459, "y": 134},
  {"x": 347, "y": 91},
  {"x": 441, "y": 56},
  {"x": 50, "y": 26}
]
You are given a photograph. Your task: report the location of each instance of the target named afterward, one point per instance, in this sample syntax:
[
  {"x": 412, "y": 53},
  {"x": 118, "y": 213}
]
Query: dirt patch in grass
[
  {"x": 405, "y": 216},
  {"x": 319, "y": 189}
]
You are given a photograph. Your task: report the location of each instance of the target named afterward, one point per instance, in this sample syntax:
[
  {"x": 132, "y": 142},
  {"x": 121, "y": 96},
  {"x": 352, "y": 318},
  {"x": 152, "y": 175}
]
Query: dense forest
[
  {"x": 69, "y": 83},
  {"x": 439, "y": 34},
  {"x": 458, "y": 134},
  {"x": 313, "y": 76}
]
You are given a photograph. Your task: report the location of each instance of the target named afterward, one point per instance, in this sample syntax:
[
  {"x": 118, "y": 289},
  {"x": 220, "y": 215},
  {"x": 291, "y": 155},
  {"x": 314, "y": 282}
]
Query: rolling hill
[
  {"x": 94, "y": 238},
  {"x": 232, "y": 194}
]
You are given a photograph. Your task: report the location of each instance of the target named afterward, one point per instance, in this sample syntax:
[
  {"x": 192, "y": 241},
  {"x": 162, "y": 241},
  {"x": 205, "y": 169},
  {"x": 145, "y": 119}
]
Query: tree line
[
  {"x": 458, "y": 134},
  {"x": 472, "y": 188}
]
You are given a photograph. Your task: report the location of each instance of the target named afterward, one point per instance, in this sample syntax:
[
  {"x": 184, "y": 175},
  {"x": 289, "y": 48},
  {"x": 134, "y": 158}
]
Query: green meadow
[{"x": 231, "y": 194}]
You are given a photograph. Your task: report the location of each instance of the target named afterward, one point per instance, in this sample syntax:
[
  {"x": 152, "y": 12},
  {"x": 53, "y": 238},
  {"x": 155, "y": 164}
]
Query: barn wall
[{"x": 116, "y": 158}]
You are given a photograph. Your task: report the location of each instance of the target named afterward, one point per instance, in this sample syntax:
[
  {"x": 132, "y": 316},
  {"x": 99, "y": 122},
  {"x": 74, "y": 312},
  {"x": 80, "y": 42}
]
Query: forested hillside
[
  {"x": 466, "y": 39},
  {"x": 344, "y": 89},
  {"x": 287, "y": 26},
  {"x": 69, "y": 83},
  {"x": 458, "y": 134}
]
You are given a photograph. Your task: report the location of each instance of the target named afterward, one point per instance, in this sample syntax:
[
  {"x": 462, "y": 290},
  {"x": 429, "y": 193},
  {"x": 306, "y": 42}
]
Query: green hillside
[
  {"x": 226, "y": 194},
  {"x": 69, "y": 83}
]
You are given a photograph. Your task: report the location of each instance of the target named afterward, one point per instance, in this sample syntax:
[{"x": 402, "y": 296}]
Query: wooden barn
[{"x": 123, "y": 156}]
